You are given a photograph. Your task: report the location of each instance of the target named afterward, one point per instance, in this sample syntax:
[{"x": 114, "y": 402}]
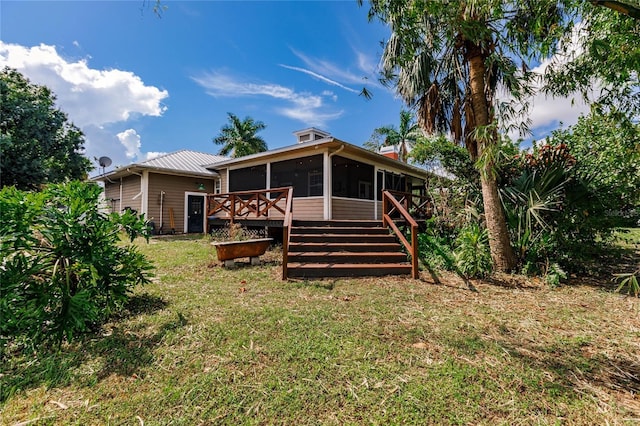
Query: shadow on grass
[
  {"x": 123, "y": 350},
  {"x": 577, "y": 369}
]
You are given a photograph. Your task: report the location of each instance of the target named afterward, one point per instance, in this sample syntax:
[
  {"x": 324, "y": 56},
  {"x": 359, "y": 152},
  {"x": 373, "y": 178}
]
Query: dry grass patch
[{"x": 207, "y": 345}]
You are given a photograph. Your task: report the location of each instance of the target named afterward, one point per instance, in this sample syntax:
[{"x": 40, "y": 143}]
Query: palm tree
[
  {"x": 239, "y": 138},
  {"x": 405, "y": 136},
  {"x": 449, "y": 58}
]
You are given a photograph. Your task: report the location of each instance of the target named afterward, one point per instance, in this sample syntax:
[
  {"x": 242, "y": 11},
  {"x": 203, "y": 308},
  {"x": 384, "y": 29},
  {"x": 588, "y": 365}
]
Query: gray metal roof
[{"x": 184, "y": 161}]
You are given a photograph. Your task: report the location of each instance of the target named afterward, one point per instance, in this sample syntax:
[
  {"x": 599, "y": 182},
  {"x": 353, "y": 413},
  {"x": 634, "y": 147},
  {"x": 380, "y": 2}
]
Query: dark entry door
[{"x": 195, "y": 214}]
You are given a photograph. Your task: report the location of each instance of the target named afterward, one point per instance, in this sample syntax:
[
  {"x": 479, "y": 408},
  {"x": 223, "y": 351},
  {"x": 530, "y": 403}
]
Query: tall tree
[
  {"x": 450, "y": 58},
  {"x": 404, "y": 136},
  {"x": 602, "y": 52},
  {"x": 239, "y": 138},
  {"x": 38, "y": 144}
]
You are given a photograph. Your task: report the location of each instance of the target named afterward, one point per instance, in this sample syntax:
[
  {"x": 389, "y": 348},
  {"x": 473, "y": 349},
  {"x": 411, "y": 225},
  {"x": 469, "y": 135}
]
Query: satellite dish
[{"x": 104, "y": 161}]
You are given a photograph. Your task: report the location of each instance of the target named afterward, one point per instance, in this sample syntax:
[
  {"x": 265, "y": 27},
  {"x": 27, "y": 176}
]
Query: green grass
[{"x": 207, "y": 345}]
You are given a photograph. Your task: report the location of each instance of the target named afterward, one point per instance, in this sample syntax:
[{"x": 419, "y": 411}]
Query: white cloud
[
  {"x": 130, "y": 139},
  {"x": 91, "y": 98},
  {"x": 548, "y": 111},
  {"x": 153, "y": 154},
  {"x": 337, "y": 73},
  {"x": 320, "y": 77},
  {"x": 87, "y": 95},
  {"x": 304, "y": 106}
]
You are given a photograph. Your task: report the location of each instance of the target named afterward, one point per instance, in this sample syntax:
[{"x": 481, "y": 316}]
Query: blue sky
[{"x": 139, "y": 85}]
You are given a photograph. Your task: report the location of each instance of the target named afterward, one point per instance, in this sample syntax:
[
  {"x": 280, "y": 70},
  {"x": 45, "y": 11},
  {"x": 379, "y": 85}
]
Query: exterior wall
[
  {"x": 174, "y": 188},
  {"x": 351, "y": 208},
  {"x": 224, "y": 187},
  {"x": 130, "y": 188},
  {"x": 308, "y": 208},
  {"x": 112, "y": 196}
]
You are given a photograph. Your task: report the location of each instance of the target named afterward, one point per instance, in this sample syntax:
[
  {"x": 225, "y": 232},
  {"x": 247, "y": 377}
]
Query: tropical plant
[
  {"x": 472, "y": 254},
  {"x": 403, "y": 136},
  {"x": 38, "y": 144},
  {"x": 239, "y": 138},
  {"x": 603, "y": 52},
  {"x": 606, "y": 147},
  {"x": 64, "y": 268},
  {"x": 450, "y": 58},
  {"x": 630, "y": 281}
]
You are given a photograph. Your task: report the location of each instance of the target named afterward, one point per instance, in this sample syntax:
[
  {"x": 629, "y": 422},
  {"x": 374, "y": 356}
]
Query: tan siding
[
  {"x": 131, "y": 188},
  {"x": 112, "y": 196},
  {"x": 352, "y": 209},
  {"x": 174, "y": 188},
  {"x": 223, "y": 180},
  {"x": 379, "y": 209},
  {"x": 308, "y": 208}
]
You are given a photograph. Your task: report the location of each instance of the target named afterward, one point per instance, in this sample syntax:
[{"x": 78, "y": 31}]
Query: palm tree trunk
[{"x": 502, "y": 254}]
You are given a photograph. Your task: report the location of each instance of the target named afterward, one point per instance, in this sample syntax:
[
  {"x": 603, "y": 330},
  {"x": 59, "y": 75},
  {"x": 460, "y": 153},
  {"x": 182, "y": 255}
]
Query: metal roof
[{"x": 183, "y": 161}]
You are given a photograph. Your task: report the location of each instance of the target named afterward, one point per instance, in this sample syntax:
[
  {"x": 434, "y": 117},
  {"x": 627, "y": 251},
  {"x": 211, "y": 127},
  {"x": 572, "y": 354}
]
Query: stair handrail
[
  {"x": 391, "y": 204},
  {"x": 422, "y": 207},
  {"x": 286, "y": 228}
]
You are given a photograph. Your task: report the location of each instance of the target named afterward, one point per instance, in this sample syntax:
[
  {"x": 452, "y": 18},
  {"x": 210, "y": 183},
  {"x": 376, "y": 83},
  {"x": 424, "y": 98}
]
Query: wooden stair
[{"x": 319, "y": 249}]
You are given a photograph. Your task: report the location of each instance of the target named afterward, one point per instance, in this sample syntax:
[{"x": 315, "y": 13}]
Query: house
[
  {"x": 332, "y": 180},
  {"x": 169, "y": 190}
]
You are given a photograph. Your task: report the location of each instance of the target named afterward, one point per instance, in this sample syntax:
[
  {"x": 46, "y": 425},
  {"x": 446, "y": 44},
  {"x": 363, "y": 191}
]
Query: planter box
[{"x": 227, "y": 251}]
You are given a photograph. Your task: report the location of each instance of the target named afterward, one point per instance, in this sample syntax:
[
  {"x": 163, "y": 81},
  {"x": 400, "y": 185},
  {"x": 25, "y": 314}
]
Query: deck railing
[
  {"x": 392, "y": 206},
  {"x": 418, "y": 205},
  {"x": 248, "y": 204}
]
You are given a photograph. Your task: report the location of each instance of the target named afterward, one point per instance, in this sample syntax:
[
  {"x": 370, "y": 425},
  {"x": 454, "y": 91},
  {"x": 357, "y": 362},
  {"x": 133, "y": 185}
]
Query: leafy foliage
[
  {"x": 38, "y": 145},
  {"x": 404, "y": 136},
  {"x": 64, "y": 268},
  {"x": 239, "y": 138},
  {"x": 472, "y": 253},
  {"x": 604, "y": 50}
]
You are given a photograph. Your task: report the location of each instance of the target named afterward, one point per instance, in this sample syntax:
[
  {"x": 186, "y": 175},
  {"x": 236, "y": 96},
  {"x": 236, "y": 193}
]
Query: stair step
[
  {"x": 348, "y": 257},
  {"x": 342, "y": 238},
  {"x": 337, "y": 247},
  {"x": 338, "y": 230},
  {"x": 338, "y": 223},
  {"x": 315, "y": 270}
]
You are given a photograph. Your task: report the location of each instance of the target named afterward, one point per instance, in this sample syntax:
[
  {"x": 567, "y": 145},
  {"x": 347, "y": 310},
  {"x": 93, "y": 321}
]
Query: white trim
[
  {"x": 327, "y": 187},
  {"x": 144, "y": 189},
  {"x": 268, "y": 176},
  {"x": 185, "y": 229},
  {"x": 375, "y": 189},
  {"x": 354, "y": 199}
]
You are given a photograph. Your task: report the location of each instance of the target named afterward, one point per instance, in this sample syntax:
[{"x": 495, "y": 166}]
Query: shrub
[
  {"x": 64, "y": 268},
  {"x": 472, "y": 253}
]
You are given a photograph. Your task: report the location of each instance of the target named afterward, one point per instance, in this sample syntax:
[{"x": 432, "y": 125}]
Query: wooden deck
[{"x": 331, "y": 248}]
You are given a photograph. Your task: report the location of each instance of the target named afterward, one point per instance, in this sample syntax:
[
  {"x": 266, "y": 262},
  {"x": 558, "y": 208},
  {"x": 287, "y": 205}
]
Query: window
[
  {"x": 217, "y": 186},
  {"x": 248, "y": 179},
  {"x": 304, "y": 174},
  {"x": 315, "y": 183},
  {"x": 352, "y": 179}
]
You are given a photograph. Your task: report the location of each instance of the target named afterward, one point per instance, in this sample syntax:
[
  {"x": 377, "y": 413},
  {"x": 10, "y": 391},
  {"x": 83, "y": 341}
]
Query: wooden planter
[{"x": 227, "y": 251}]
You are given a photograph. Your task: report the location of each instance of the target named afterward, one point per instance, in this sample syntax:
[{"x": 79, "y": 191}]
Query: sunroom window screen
[
  {"x": 304, "y": 174},
  {"x": 352, "y": 179},
  {"x": 248, "y": 178}
]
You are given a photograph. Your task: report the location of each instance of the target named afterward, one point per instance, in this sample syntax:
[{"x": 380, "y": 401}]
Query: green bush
[
  {"x": 64, "y": 268},
  {"x": 473, "y": 257}
]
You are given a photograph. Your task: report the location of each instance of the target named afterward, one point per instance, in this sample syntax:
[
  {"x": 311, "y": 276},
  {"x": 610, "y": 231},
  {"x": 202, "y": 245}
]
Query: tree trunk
[{"x": 502, "y": 254}]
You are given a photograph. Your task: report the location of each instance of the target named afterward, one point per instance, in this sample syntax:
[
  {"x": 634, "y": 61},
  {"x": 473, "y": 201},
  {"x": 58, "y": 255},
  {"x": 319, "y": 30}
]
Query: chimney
[
  {"x": 391, "y": 151},
  {"x": 310, "y": 134}
]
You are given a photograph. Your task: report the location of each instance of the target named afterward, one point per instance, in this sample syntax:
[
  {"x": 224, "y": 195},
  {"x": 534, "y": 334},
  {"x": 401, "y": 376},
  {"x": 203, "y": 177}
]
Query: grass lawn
[{"x": 206, "y": 345}]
